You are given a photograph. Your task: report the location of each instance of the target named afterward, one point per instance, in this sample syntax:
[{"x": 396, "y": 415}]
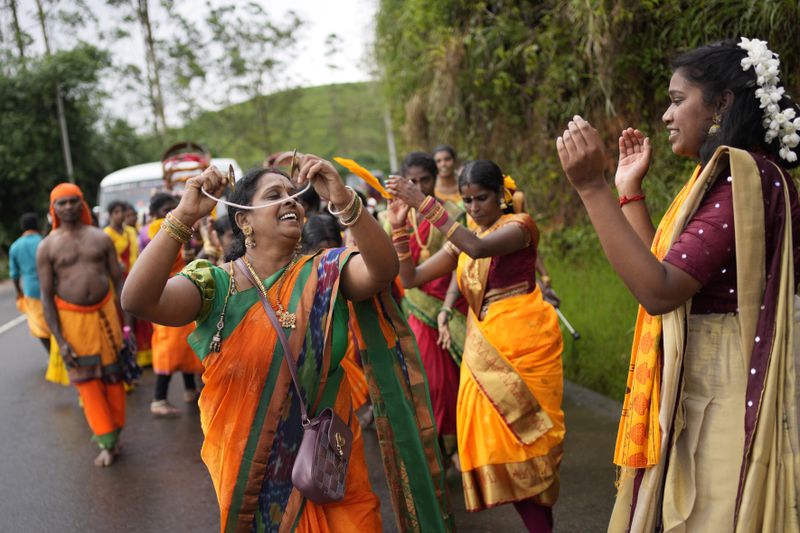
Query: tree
[
  {"x": 499, "y": 79},
  {"x": 250, "y": 46},
  {"x": 29, "y": 151}
]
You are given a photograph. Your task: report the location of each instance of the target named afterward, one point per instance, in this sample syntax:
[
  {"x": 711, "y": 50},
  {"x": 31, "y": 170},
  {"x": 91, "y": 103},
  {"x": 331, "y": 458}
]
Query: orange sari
[
  {"x": 510, "y": 423},
  {"x": 169, "y": 345},
  {"x": 251, "y": 416}
]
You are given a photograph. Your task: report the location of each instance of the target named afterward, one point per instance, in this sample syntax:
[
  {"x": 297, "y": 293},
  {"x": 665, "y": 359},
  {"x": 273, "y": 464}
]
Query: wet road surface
[{"x": 49, "y": 484}]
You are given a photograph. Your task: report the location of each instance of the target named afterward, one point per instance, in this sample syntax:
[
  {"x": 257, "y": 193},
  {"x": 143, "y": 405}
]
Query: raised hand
[
  {"x": 635, "y": 152},
  {"x": 404, "y": 189},
  {"x": 194, "y": 205},
  {"x": 582, "y": 154},
  {"x": 324, "y": 178},
  {"x": 398, "y": 212}
]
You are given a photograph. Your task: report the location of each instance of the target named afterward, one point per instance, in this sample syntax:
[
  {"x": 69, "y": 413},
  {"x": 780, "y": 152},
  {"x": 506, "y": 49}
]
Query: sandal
[{"x": 162, "y": 408}]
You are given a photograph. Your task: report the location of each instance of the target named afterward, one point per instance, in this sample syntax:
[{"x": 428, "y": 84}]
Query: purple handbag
[{"x": 320, "y": 467}]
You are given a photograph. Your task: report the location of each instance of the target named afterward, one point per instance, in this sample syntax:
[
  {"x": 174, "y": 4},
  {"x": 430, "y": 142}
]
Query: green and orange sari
[{"x": 251, "y": 415}]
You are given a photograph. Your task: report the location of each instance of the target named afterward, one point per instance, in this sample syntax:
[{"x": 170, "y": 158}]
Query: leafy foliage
[
  {"x": 499, "y": 79},
  {"x": 343, "y": 119},
  {"x": 30, "y": 148}
]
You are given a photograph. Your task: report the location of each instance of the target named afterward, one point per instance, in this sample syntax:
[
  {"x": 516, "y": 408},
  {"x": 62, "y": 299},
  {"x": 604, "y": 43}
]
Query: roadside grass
[{"x": 600, "y": 308}]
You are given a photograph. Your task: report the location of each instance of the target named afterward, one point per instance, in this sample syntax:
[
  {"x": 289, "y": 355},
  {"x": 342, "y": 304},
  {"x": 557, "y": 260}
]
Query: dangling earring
[
  {"x": 298, "y": 248},
  {"x": 503, "y": 204},
  {"x": 249, "y": 242},
  {"x": 716, "y": 120}
]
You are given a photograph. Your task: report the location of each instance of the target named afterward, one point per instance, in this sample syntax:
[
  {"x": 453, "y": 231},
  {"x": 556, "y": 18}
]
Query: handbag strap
[{"x": 287, "y": 352}]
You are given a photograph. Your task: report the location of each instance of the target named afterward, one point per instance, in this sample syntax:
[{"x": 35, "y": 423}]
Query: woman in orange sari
[
  {"x": 170, "y": 348},
  {"x": 250, "y": 412},
  {"x": 510, "y": 426}
]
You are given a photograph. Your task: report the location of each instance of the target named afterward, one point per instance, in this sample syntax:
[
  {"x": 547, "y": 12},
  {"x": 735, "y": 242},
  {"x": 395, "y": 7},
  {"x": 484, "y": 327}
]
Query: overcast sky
[{"x": 351, "y": 20}]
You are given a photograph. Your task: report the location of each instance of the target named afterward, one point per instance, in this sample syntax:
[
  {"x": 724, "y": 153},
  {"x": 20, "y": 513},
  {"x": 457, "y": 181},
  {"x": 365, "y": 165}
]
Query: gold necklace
[
  {"x": 424, "y": 253},
  {"x": 287, "y": 319}
]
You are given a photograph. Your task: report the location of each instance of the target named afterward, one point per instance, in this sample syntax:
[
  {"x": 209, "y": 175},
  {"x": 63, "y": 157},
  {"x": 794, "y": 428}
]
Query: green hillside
[{"x": 343, "y": 119}]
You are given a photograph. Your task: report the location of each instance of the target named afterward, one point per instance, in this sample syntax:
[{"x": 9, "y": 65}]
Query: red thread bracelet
[{"x": 628, "y": 199}]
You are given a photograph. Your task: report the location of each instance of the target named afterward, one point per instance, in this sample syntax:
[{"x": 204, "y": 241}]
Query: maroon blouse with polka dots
[{"x": 706, "y": 249}]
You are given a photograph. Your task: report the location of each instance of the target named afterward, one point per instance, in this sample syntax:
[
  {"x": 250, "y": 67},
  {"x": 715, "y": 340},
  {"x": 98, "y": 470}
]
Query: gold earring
[
  {"x": 716, "y": 119},
  {"x": 298, "y": 248},
  {"x": 249, "y": 242}
]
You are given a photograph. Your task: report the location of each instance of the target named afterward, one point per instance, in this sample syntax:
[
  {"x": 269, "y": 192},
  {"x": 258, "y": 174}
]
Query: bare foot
[
  {"x": 456, "y": 462},
  {"x": 105, "y": 458}
]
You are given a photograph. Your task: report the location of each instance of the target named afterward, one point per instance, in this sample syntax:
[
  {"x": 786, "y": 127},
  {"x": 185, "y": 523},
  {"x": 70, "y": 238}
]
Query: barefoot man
[{"x": 78, "y": 270}]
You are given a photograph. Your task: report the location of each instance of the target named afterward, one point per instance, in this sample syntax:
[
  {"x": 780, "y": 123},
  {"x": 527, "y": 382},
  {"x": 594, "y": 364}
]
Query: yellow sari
[{"x": 510, "y": 423}]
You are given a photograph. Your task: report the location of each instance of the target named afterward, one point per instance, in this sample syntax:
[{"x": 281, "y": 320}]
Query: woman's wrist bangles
[
  {"x": 448, "y": 311},
  {"x": 400, "y": 239},
  {"x": 452, "y": 230},
  {"x": 177, "y": 229},
  {"x": 434, "y": 212},
  {"x": 351, "y": 213}
]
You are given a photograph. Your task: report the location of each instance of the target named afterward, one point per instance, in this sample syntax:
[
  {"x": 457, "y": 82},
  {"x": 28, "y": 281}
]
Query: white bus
[{"x": 137, "y": 184}]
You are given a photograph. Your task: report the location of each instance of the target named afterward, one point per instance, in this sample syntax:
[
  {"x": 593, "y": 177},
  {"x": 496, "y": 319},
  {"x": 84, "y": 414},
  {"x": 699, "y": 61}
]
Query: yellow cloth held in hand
[
  {"x": 639, "y": 437},
  {"x": 56, "y": 371}
]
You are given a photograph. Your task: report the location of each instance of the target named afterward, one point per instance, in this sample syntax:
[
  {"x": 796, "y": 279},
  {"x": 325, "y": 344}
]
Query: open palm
[{"x": 635, "y": 152}]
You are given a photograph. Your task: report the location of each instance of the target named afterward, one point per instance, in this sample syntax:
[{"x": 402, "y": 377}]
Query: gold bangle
[
  {"x": 175, "y": 235},
  {"x": 354, "y": 215},
  {"x": 177, "y": 222},
  {"x": 452, "y": 230},
  {"x": 349, "y": 204},
  {"x": 423, "y": 205},
  {"x": 403, "y": 256}
]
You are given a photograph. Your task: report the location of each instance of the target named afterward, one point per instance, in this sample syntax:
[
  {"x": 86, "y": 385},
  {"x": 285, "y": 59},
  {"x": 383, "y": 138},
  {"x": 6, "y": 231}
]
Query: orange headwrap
[{"x": 63, "y": 190}]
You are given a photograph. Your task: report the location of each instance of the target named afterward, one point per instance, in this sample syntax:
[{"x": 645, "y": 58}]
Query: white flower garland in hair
[{"x": 780, "y": 124}]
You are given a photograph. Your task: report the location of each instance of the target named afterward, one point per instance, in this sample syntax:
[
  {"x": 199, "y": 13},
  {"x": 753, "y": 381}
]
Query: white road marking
[{"x": 12, "y": 323}]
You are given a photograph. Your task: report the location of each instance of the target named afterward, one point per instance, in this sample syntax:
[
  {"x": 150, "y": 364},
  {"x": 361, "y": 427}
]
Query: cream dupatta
[{"x": 767, "y": 498}]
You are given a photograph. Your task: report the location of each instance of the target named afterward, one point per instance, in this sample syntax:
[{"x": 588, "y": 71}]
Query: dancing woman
[
  {"x": 708, "y": 434},
  {"x": 249, "y": 410},
  {"x": 509, "y": 420}
]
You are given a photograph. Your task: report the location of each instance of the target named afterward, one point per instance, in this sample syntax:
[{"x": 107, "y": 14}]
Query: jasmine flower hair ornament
[{"x": 781, "y": 124}]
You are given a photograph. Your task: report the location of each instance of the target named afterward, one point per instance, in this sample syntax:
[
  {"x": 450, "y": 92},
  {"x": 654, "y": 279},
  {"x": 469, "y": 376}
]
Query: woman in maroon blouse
[
  {"x": 510, "y": 426},
  {"x": 708, "y": 434}
]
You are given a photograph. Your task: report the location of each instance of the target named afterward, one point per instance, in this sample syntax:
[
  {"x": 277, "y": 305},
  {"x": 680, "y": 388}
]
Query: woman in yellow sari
[
  {"x": 250, "y": 412},
  {"x": 708, "y": 438},
  {"x": 510, "y": 426}
]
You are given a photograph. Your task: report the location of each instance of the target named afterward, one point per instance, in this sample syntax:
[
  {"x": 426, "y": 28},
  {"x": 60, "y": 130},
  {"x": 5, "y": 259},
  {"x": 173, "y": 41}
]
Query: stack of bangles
[
  {"x": 400, "y": 239},
  {"x": 350, "y": 214},
  {"x": 177, "y": 229},
  {"x": 437, "y": 215},
  {"x": 448, "y": 311}
]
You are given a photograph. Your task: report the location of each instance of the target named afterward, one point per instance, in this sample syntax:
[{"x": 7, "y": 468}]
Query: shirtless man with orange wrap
[{"x": 78, "y": 269}]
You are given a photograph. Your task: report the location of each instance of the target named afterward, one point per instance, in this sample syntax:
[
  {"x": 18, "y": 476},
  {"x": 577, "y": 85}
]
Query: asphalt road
[{"x": 49, "y": 484}]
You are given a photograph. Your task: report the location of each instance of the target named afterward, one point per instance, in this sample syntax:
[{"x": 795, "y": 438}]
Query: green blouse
[{"x": 213, "y": 282}]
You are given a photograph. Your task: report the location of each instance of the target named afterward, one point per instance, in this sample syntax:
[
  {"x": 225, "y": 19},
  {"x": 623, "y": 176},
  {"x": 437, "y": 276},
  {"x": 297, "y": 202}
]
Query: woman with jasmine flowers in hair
[{"x": 708, "y": 434}]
